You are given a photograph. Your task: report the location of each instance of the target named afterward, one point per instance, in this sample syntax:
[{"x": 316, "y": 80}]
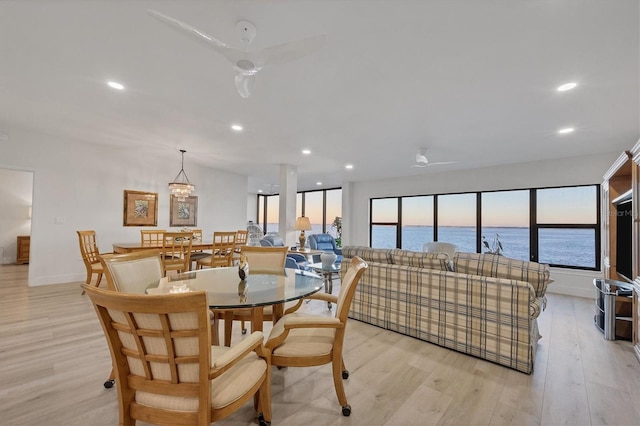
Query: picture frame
[
  {"x": 183, "y": 212},
  {"x": 140, "y": 208}
]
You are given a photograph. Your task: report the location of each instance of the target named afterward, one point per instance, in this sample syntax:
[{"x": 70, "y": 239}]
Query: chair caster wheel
[
  {"x": 109, "y": 384},
  {"x": 262, "y": 421},
  {"x": 345, "y": 374},
  {"x": 346, "y": 410},
  {"x": 244, "y": 331}
]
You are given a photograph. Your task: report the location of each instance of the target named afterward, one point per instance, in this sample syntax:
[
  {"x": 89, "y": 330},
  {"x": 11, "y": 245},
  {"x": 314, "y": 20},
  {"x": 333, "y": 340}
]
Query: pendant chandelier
[{"x": 181, "y": 187}]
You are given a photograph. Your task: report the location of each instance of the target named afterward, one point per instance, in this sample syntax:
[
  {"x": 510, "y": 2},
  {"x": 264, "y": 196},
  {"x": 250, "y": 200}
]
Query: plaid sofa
[{"x": 486, "y": 308}]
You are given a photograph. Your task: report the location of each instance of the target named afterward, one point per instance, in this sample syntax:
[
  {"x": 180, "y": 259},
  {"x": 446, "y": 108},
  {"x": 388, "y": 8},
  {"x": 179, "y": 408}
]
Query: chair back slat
[{"x": 151, "y": 237}]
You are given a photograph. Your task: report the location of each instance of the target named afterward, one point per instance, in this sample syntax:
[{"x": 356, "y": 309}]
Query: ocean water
[{"x": 571, "y": 247}]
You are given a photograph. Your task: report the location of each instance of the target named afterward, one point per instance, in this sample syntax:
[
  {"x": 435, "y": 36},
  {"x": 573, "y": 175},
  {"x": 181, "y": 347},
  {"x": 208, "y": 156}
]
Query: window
[
  {"x": 457, "y": 220},
  {"x": 320, "y": 206},
  {"x": 505, "y": 218},
  {"x": 567, "y": 226},
  {"x": 417, "y": 222},
  {"x": 558, "y": 226},
  {"x": 273, "y": 212},
  {"x": 384, "y": 223}
]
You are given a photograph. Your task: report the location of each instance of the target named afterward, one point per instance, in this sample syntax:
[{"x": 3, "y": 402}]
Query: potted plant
[{"x": 337, "y": 225}]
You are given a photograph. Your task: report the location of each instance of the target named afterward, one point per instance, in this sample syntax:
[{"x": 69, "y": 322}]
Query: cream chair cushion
[
  {"x": 135, "y": 276},
  {"x": 303, "y": 342}
]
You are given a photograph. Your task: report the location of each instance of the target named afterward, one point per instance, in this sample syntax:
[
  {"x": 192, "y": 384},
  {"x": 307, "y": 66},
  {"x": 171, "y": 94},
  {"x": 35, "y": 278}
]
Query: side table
[{"x": 327, "y": 275}]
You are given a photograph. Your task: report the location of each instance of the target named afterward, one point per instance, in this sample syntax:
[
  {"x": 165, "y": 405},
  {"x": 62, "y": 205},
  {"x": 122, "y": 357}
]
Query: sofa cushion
[
  {"x": 367, "y": 254},
  {"x": 492, "y": 265},
  {"x": 437, "y": 261}
]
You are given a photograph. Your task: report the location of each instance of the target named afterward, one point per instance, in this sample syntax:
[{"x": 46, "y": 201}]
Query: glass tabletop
[
  {"x": 319, "y": 267},
  {"x": 226, "y": 290}
]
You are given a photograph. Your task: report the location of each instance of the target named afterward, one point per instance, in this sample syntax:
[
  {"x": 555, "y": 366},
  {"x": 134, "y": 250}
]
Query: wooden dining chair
[
  {"x": 167, "y": 371},
  {"x": 197, "y": 254},
  {"x": 261, "y": 260},
  {"x": 176, "y": 251},
  {"x": 222, "y": 251},
  {"x": 151, "y": 237},
  {"x": 242, "y": 235},
  {"x": 131, "y": 273},
  {"x": 90, "y": 255},
  {"x": 299, "y": 340}
]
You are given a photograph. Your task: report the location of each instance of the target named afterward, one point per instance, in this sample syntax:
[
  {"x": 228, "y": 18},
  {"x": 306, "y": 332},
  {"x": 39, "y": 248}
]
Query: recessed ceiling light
[
  {"x": 260, "y": 191},
  {"x": 236, "y": 127},
  {"x": 306, "y": 151},
  {"x": 318, "y": 183},
  {"x": 348, "y": 166},
  {"x": 567, "y": 86},
  {"x": 115, "y": 85},
  {"x": 566, "y": 130}
]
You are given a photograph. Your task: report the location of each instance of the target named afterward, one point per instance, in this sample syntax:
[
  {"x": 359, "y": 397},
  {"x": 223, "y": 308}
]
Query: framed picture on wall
[
  {"x": 183, "y": 212},
  {"x": 140, "y": 208}
]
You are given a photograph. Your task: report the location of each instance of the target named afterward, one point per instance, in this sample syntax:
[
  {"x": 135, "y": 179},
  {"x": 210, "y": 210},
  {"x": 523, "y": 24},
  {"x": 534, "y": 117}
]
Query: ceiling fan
[
  {"x": 247, "y": 63},
  {"x": 422, "y": 161}
]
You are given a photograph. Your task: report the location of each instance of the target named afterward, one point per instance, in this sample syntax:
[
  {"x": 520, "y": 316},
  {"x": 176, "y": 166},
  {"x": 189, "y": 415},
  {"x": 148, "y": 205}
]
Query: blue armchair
[
  {"x": 271, "y": 240},
  {"x": 325, "y": 242}
]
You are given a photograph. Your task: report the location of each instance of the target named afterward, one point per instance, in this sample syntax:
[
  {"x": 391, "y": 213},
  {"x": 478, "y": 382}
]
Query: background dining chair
[
  {"x": 222, "y": 251},
  {"x": 151, "y": 237},
  {"x": 242, "y": 235},
  {"x": 90, "y": 255},
  {"x": 176, "y": 251},
  {"x": 197, "y": 254},
  {"x": 167, "y": 371},
  {"x": 299, "y": 340},
  {"x": 131, "y": 273},
  {"x": 261, "y": 260}
]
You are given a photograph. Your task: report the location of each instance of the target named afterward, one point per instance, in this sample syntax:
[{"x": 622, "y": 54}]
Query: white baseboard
[
  {"x": 56, "y": 279},
  {"x": 573, "y": 282}
]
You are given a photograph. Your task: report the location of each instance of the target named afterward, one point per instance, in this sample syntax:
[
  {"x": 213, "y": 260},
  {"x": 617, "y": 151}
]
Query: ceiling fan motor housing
[{"x": 247, "y": 31}]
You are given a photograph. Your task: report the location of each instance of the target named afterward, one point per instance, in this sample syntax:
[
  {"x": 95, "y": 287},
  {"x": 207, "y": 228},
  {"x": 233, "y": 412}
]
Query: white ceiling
[{"x": 473, "y": 81}]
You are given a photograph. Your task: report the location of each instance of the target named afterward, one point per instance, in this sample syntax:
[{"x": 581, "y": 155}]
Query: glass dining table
[{"x": 226, "y": 291}]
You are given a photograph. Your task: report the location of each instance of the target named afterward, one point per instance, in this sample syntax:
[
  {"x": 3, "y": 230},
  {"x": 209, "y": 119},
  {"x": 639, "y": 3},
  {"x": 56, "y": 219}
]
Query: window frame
[{"x": 534, "y": 226}]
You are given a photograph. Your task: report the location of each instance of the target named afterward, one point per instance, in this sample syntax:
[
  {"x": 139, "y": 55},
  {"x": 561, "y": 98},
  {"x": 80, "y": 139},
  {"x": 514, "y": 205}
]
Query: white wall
[
  {"x": 16, "y": 188},
  {"x": 81, "y": 186},
  {"x": 565, "y": 171}
]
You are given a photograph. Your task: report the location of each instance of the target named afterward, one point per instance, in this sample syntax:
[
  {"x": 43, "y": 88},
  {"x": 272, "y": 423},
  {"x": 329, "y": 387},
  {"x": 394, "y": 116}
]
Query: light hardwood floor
[{"x": 54, "y": 359}]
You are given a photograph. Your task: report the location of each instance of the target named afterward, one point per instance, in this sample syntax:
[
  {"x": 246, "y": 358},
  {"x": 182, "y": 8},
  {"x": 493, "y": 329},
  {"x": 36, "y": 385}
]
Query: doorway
[{"x": 16, "y": 200}]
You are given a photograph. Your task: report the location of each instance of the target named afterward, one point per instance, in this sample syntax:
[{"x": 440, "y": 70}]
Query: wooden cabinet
[
  {"x": 636, "y": 317},
  {"x": 22, "y": 255},
  {"x": 621, "y": 229}
]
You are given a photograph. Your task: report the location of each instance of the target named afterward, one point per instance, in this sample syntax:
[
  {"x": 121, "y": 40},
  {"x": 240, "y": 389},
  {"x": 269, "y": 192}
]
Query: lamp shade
[{"x": 303, "y": 224}]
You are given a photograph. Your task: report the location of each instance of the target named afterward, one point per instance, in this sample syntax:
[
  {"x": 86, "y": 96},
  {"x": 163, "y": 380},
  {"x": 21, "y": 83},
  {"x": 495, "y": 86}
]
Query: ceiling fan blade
[
  {"x": 245, "y": 84},
  {"x": 441, "y": 163},
  {"x": 233, "y": 55},
  {"x": 419, "y": 165},
  {"x": 292, "y": 50}
]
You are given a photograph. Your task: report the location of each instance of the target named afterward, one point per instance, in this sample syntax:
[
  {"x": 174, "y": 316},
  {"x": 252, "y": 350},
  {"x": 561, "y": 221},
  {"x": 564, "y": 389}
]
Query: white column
[
  {"x": 347, "y": 219},
  {"x": 287, "y": 212}
]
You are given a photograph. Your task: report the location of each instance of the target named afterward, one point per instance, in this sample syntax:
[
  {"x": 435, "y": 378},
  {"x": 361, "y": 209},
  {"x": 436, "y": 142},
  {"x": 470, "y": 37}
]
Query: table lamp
[{"x": 303, "y": 224}]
